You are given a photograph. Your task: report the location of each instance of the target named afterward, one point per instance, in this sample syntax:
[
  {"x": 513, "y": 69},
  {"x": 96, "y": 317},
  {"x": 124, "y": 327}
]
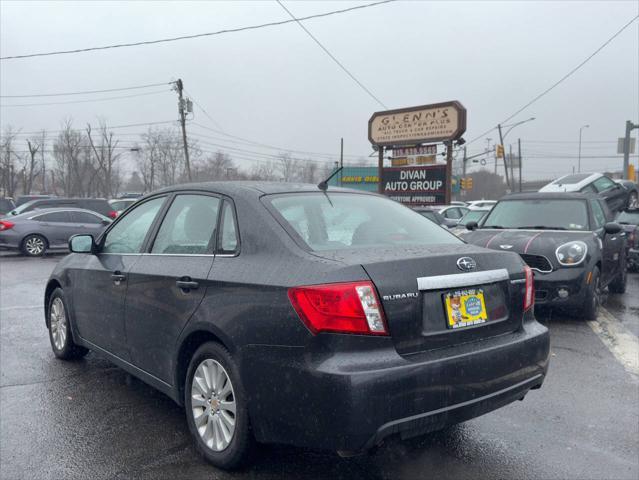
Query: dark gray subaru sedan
[{"x": 281, "y": 313}]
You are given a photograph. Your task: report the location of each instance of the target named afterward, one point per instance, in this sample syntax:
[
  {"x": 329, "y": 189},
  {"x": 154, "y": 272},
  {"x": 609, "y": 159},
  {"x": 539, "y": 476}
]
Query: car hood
[{"x": 533, "y": 242}]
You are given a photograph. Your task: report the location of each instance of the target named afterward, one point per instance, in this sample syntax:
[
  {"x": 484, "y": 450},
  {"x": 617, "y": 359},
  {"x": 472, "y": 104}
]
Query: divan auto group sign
[{"x": 424, "y": 185}]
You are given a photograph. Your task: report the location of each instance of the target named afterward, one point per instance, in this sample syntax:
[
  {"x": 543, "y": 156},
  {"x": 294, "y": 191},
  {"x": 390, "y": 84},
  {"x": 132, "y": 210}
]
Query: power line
[
  {"x": 198, "y": 35},
  {"x": 86, "y": 92},
  {"x": 39, "y": 132},
  {"x": 332, "y": 56},
  {"x": 6, "y": 105},
  {"x": 557, "y": 83},
  {"x": 205, "y": 112}
]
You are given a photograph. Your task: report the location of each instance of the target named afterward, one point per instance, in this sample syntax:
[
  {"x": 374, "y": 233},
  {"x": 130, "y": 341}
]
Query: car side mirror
[
  {"x": 82, "y": 244},
  {"x": 472, "y": 226},
  {"x": 612, "y": 227}
]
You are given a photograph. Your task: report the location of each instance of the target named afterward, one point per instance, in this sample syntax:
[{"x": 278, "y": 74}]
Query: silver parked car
[{"x": 35, "y": 232}]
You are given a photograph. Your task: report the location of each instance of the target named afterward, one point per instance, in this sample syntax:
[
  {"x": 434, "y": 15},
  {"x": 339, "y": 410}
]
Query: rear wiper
[{"x": 540, "y": 227}]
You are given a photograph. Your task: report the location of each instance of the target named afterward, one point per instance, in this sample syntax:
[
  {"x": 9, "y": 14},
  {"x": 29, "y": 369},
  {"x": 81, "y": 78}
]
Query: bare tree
[
  {"x": 71, "y": 153},
  {"x": 108, "y": 177},
  {"x": 29, "y": 165},
  {"x": 8, "y": 156}
]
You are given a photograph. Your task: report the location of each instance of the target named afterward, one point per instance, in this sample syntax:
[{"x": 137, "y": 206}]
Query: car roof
[
  {"x": 41, "y": 211},
  {"x": 256, "y": 188},
  {"x": 550, "y": 196},
  {"x": 557, "y": 185}
]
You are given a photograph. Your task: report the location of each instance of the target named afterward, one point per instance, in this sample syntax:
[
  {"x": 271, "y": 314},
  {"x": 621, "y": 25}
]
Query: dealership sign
[
  {"x": 424, "y": 185},
  {"x": 438, "y": 122}
]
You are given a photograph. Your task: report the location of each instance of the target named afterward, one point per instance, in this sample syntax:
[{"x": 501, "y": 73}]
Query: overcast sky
[{"x": 276, "y": 86}]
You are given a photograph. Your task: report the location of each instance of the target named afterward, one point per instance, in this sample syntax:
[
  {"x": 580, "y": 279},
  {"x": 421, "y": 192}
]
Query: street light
[
  {"x": 501, "y": 141},
  {"x": 579, "y": 160}
]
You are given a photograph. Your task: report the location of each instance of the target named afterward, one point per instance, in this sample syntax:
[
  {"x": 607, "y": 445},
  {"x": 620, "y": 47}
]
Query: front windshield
[
  {"x": 629, "y": 217},
  {"x": 339, "y": 221},
  {"x": 539, "y": 214}
]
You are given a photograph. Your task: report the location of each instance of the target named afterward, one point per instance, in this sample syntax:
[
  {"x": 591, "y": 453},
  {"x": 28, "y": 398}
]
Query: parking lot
[{"x": 89, "y": 419}]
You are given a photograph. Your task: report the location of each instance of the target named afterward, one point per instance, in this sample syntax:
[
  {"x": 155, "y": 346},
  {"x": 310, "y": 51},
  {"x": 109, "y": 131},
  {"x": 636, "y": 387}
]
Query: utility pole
[
  {"x": 579, "y": 156},
  {"x": 341, "y": 160},
  {"x": 449, "y": 171},
  {"x": 512, "y": 166},
  {"x": 181, "y": 109},
  {"x": 380, "y": 168},
  {"x": 501, "y": 141},
  {"x": 626, "y": 147},
  {"x": 44, "y": 168},
  {"x": 520, "y": 165}
]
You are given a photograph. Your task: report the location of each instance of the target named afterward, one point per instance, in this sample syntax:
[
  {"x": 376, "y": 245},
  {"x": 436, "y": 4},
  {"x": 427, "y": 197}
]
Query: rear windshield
[
  {"x": 339, "y": 221},
  {"x": 539, "y": 214},
  {"x": 571, "y": 179},
  {"x": 473, "y": 216}
]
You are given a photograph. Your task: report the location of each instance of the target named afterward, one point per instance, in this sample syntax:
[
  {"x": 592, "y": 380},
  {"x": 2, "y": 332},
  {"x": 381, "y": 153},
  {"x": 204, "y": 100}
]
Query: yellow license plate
[{"x": 465, "y": 308}]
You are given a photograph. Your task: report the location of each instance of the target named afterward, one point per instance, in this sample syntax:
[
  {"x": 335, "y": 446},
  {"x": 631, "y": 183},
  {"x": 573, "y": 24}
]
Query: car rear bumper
[
  {"x": 571, "y": 281},
  {"x": 352, "y": 401}
]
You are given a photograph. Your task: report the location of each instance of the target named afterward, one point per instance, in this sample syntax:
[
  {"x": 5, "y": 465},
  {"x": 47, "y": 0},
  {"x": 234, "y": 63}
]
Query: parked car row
[{"x": 41, "y": 223}]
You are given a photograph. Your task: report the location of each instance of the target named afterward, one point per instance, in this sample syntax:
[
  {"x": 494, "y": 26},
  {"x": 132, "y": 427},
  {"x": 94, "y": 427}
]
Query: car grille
[{"x": 537, "y": 262}]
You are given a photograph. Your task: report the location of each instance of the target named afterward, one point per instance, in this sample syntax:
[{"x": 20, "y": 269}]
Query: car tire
[
  {"x": 216, "y": 407},
  {"x": 593, "y": 297},
  {"x": 34, "y": 245},
  {"x": 60, "y": 332},
  {"x": 618, "y": 285}
]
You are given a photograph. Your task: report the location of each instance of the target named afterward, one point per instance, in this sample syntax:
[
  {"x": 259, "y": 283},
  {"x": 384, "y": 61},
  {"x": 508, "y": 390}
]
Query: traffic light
[
  {"x": 462, "y": 182},
  {"x": 499, "y": 151},
  {"x": 469, "y": 183}
]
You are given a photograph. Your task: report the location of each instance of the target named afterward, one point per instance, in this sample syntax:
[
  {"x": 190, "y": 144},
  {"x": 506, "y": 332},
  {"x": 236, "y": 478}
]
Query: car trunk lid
[{"x": 413, "y": 283}]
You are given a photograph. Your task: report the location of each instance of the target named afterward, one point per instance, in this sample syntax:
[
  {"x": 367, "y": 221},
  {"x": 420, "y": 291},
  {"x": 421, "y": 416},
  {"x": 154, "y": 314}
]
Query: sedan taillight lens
[
  {"x": 113, "y": 214},
  {"x": 340, "y": 308},
  {"x": 5, "y": 225},
  {"x": 529, "y": 295}
]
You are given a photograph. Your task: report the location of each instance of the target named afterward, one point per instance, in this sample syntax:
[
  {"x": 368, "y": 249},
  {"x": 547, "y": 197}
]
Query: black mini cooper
[
  {"x": 568, "y": 239},
  {"x": 287, "y": 314}
]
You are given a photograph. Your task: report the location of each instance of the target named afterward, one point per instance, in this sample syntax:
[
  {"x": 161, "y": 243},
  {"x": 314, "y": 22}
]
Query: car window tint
[
  {"x": 589, "y": 189},
  {"x": 340, "y": 221},
  {"x": 228, "y": 237},
  {"x": 598, "y": 213},
  {"x": 188, "y": 226},
  {"x": 603, "y": 183},
  {"x": 54, "y": 217},
  {"x": 128, "y": 234},
  {"x": 84, "y": 217}
]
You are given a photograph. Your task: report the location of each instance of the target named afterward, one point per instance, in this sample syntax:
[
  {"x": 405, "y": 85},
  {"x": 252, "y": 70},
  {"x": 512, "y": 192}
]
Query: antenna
[{"x": 323, "y": 185}]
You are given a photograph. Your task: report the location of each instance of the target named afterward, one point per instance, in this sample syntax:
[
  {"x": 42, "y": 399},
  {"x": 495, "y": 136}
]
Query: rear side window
[
  {"x": 228, "y": 232},
  {"x": 189, "y": 226},
  {"x": 83, "y": 217},
  {"x": 453, "y": 213},
  {"x": 54, "y": 217},
  {"x": 128, "y": 234},
  {"x": 598, "y": 213},
  {"x": 603, "y": 183},
  {"x": 338, "y": 221}
]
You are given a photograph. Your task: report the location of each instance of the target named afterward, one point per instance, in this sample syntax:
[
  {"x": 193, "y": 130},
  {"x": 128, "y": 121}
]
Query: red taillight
[
  {"x": 113, "y": 214},
  {"x": 339, "y": 307},
  {"x": 529, "y": 296},
  {"x": 5, "y": 225}
]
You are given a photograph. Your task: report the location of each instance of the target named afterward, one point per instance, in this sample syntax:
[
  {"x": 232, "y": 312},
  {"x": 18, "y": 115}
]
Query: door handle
[
  {"x": 186, "y": 284},
  {"x": 118, "y": 277}
]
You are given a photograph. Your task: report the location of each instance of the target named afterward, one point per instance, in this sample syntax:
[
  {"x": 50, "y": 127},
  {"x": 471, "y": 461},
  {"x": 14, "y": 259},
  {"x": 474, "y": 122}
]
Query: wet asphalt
[{"x": 89, "y": 419}]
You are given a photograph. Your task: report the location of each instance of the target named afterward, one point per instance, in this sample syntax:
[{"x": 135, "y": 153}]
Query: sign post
[{"x": 414, "y": 126}]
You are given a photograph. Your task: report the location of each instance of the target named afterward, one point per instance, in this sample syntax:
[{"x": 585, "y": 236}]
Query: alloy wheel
[
  {"x": 213, "y": 405},
  {"x": 58, "y": 323},
  {"x": 633, "y": 201},
  {"x": 34, "y": 246},
  {"x": 596, "y": 295}
]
